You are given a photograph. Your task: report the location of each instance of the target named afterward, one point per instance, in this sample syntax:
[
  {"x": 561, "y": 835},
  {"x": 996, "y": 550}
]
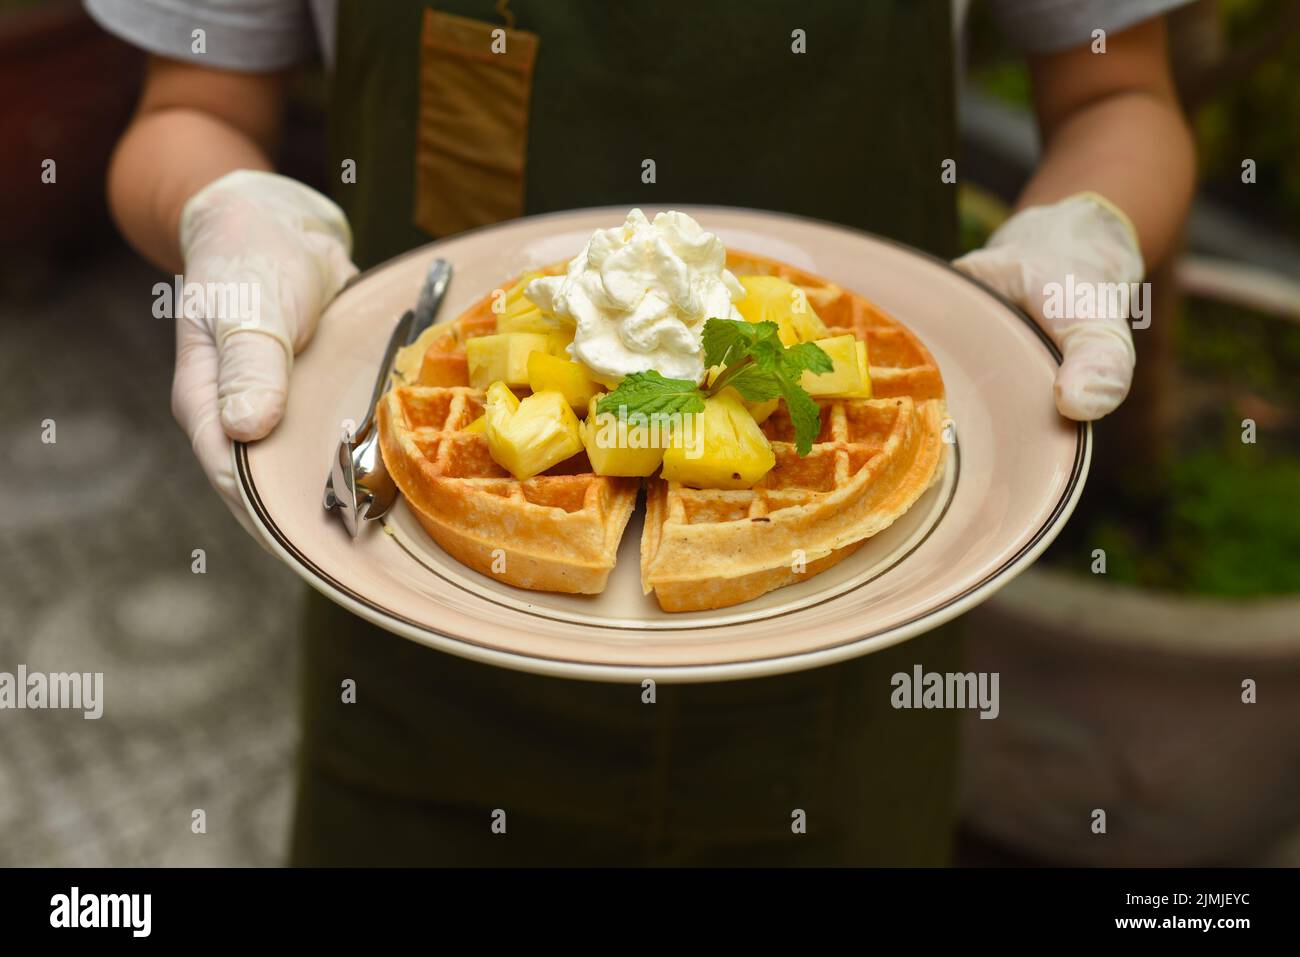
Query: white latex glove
[
  {"x": 283, "y": 248},
  {"x": 1089, "y": 239}
]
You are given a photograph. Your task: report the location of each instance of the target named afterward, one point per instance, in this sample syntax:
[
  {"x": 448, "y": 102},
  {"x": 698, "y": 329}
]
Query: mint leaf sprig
[
  {"x": 755, "y": 364},
  {"x": 648, "y": 393}
]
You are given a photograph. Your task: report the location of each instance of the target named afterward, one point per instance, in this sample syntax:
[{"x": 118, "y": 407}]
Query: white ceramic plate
[{"x": 1011, "y": 479}]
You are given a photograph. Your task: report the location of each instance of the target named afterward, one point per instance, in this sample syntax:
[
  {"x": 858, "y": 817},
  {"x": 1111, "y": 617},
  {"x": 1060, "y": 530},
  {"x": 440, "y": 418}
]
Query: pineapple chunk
[
  {"x": 535, "y": 322},
  {"x": 864, "y": 369},
  {"x": 549, "y": 372},
  {"x": 502, "y": 357},
  {"x": 734, "y": 452},
  {"x": 759, "y": 410},
  {"x": 514, "y": 304},
  {"x": 845, "y": 377},
  {"x": 557, "y": 343},
  {"x": 478, "y": 426},
  {"x": 516, "y": 313},
  {"x": 771, "y": 299},
  {"x": 616, "y": 448},
  {"x": 527, "y": 437}
]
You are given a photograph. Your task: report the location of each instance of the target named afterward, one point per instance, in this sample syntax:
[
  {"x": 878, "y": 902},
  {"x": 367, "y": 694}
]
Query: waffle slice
[
  {"x": 555, "y": 532},
  {"x": 710, "y": 548}
]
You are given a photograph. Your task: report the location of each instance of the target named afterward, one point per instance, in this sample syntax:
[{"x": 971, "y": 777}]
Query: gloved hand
[
  {"x": 271, "y": 253},
  {"x": 1088, "y": 238}
]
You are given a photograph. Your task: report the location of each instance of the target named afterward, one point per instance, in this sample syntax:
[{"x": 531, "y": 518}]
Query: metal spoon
[{"x": 358, "y": 486}]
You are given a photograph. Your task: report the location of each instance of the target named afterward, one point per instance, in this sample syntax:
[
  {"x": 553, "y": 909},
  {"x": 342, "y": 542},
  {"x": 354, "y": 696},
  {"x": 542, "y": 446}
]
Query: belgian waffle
[{"x": 701, "y": 548}]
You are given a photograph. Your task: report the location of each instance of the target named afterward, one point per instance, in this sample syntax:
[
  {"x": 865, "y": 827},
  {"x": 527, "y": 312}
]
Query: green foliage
[
  {"x": 1008, "y": 80},
  {"x": 993, "y": 66},
  {"x": 1229, "y": 529},
  {"x": 1235, "y": 345},
  {"x": 1233, "y": 526},
  {"x": 1259, "y": 117},
  {"x": 1222, "y": 517}
]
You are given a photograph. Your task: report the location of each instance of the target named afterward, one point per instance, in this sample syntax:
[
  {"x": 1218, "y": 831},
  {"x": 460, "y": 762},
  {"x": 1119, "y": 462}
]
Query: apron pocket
[{"x": 472, "y": 130}]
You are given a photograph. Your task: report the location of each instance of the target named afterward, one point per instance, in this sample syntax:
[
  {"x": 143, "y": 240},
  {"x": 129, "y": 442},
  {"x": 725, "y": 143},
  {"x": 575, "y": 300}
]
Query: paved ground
[{"x": 96, "y": 538}]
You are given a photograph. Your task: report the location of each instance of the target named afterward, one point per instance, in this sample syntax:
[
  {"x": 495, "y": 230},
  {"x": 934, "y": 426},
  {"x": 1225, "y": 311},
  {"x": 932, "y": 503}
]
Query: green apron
[{"x": 854, "y": 130}]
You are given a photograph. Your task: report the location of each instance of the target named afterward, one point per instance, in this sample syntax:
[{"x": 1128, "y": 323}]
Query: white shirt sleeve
[
  {"x": 1045, "y": 26},
  {"x": 252, "y": 35}
]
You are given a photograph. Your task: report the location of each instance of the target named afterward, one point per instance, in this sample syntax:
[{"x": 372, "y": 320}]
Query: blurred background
[{"x": 1120, "y": 689}]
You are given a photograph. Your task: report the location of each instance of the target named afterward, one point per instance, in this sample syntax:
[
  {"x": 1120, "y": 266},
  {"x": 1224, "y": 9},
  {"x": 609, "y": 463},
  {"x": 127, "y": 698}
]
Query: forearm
[
  {"x": 192, "y": 126},
  {"x": 1135, "y": 149},
  {"x": 163, "y": 159}
]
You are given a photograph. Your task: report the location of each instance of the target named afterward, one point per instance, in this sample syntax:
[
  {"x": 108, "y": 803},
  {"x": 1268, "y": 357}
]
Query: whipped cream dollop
[{"x": 639, "y": 295}]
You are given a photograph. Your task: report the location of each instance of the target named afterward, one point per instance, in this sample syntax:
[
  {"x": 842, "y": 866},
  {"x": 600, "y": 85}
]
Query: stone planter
[{"x": 1131, "y": 701}]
